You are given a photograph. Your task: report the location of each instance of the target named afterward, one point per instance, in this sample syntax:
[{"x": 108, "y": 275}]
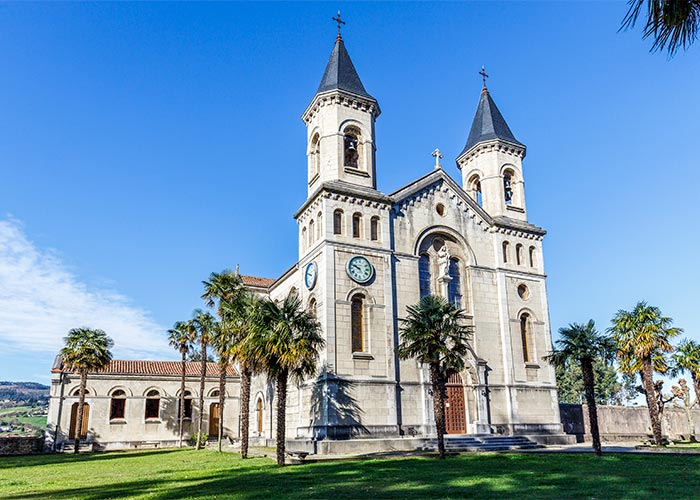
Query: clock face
[
  {"x": 310, "y": 275},
  {"x": 360, "y": 269}
]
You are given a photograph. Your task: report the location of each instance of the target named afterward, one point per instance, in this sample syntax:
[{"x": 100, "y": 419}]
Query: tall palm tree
[
  {"x": 671, "y": 23},
  {"x": 687, "y": 358},
  {"x": 287, "y": 342},
  {"x": 204, "y": 323},
  {"x": 643, "y": 338},
  {"x": 85, "y": 350},
  {"x": 224, "y": 291},
  {"x": 435, "y": 333},
  {"x": 181, "y": 336},
  {"x": 243, "y": 315},
  {"x": 583, "y": 344}
]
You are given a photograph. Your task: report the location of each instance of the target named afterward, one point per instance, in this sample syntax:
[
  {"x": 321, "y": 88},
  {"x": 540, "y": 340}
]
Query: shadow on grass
[
  {"x": 471, "y": 476},
  {"x": 15, "y": 461}
]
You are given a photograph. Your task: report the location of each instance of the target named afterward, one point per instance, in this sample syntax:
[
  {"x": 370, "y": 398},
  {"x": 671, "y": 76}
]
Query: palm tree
[
  {"x": 687, "y": 358},
  {"x": 643, "y": 337},
  {"x": 435, "y": 333},
  {"x": 671, "y": 23},
  {"x": 243, "y": 316},
  {"x": 583, "y": 344},
  {"x": 286, "y": 342},
  {"x": 204, "y": 323},
  {"x": 181, "y": 336},
  {"x": 224, "y": 291},
  {"x": 85, "y": 350}
]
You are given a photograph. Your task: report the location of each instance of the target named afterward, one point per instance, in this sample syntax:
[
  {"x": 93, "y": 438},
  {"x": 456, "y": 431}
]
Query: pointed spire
[
  {"x": 488, "y": 124},
  {"x": 340, "y": 73}
]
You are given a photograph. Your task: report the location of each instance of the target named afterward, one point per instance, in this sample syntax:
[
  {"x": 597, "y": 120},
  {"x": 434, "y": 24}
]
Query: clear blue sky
[{"x": 143, "y": 146}]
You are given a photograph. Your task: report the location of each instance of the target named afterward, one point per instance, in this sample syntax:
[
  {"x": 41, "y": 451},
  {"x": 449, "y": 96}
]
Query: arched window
[
  {"x": 259, "y": 415},
  {"x": 312, "y": 234},
  {"x": 532, "y": 256},
  {"x": 319, "y": 225},
  {"x": 506, "y": 251},
  {"x": 351, "y": 148},
  {"x": 293, "y": 292},
  {"x": 508, "y": 178},
  {"x": 117, "y": 407},
  {"x": 314, "y": 156},
  {"x": 214, "y": 394},
  {"x": 356, "y": 224},
  {"x": 526, "y": 336},
  {"x": 188, "y": 406},
  {"x": 455, "y": 286},
  {"x": 519, "y": 254},
  {"x": 424, "y": 275},
  {"x": 74, "y": 421},
  {"x": 338, "y": 222},
  {"x": 357, "y": 323},
  {"x": 474, "y": 189},
  {"x": 374, "y": 228},
  {"x": 304, "y": 236},
  {"x": 152, "y": 404},
  {"x": 312, "y": 308}
]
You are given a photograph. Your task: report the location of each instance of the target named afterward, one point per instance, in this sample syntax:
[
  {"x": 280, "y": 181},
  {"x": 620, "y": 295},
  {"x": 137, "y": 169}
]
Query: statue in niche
[{"x": 444, "y": 261}]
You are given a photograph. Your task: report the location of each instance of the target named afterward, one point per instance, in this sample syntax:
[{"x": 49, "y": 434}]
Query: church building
[{"x": 364, "y": 256}]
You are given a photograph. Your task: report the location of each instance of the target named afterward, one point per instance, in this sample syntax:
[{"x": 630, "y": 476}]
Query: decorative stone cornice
[
  {"x": 495, "y": 145},
  {"x": 341, "y": 98}
]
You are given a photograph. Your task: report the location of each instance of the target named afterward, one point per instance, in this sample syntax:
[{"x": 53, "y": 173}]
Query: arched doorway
[
  {"x": 74, "y": 421},
  {"x": 455, "y": 412},
  {"x": 259, "y": 416},
  {"x": 214, "y": 420}
]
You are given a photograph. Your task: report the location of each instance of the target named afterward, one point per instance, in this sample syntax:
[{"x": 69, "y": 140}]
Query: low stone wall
[
  {"x": 21, "y": 445},
  {"x": 628, "y": 423}
]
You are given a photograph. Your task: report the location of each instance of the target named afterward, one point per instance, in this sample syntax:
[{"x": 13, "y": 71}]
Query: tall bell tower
[
  {"x": 492, "y": 162},
  {"x": 340, "y": 125}
]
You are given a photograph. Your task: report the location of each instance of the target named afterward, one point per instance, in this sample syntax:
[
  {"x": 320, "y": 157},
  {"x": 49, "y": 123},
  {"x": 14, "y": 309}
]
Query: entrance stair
[{"x": 463, "y": 442}]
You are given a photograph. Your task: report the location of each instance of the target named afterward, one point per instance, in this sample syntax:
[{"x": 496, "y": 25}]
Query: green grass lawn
[{"x": 206, "y": 474}]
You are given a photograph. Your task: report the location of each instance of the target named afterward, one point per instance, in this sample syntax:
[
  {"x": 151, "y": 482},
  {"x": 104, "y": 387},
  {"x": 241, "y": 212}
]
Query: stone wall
[
  {"x": 628, "y": 423},
  {"x": 21, "y": 445}
]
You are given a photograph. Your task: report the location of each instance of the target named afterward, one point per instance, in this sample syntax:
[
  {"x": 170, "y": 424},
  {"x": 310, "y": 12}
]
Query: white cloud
[{"x": 40, "y": 300}]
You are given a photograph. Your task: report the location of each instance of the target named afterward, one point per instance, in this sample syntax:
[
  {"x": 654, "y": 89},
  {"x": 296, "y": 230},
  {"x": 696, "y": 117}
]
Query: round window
[{"x": 523, "y": 292}]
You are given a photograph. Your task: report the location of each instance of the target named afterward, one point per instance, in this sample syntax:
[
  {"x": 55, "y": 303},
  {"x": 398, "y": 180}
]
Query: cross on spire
[
  {"x": 484, "y": 76},
  {"x": 338, "y": 20},
  {"x": 437, "y": 154}
]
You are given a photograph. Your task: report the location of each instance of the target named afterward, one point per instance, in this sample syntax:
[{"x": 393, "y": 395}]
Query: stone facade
[
  {"x": 496, "y": 273},
  {"x": 129, "y": 425}
]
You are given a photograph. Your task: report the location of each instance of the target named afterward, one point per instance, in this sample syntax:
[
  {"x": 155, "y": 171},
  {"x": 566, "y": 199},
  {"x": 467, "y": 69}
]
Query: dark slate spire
[
  {"x": 488, "y": 124},
  {"x": 340, "y": 73}
]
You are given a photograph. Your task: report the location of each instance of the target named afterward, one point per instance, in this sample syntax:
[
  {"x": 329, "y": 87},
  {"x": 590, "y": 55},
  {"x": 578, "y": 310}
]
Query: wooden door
[
  {"x": 74, "y": 420},
  {"x": 214, "y": 420},
  {"x": 455, "y": 411}
]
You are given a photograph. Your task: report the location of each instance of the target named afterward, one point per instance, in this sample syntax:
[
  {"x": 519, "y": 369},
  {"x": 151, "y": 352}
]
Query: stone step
[{"x": 483, "y": 443}]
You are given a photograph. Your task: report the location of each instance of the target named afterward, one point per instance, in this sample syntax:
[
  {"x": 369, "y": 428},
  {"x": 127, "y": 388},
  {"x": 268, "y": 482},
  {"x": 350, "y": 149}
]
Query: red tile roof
[
  {"x": 140, "y": 367},
  {"x": 255, "y": 281}
]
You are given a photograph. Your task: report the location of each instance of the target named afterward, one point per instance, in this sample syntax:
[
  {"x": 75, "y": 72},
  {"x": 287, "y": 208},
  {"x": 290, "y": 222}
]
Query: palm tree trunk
[
  {"x": 181, "y": 416},
  {"x": 245, "y": 408},
  {"x": 81, "y": 407},
  {"x": 589, "y": 389},
  {"x": 281, "y": 416},
  {"x": 223, "y": 366},
  {"x": 438, "y": 408},
  {"x": 648, "y": 383},
  {"x": 200, "y": 417},
  {"x": 696, "y": 387}
]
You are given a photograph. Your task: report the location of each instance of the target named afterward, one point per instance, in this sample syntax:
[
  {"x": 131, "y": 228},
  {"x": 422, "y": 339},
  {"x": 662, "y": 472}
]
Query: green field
[
  {"x": 206, "y": 474},
  {"x": 19, "y": 413}
]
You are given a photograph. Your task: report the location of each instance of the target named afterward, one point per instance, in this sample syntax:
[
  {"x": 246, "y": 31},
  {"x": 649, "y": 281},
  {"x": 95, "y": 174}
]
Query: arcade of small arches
[
  {"x": 512, "y": 191},
  {"x": 313, "y": 231},
  {"x": 519, "y": 254}
]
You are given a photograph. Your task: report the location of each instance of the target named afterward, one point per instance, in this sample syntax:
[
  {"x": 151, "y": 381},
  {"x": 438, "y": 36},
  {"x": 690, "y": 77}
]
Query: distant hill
[{"x": 24, "y": 392}]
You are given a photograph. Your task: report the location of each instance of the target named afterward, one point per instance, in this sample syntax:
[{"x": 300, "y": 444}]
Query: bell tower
[
  {"x": 492, "y": 162},
  {"x": 340, "y": 125}
]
